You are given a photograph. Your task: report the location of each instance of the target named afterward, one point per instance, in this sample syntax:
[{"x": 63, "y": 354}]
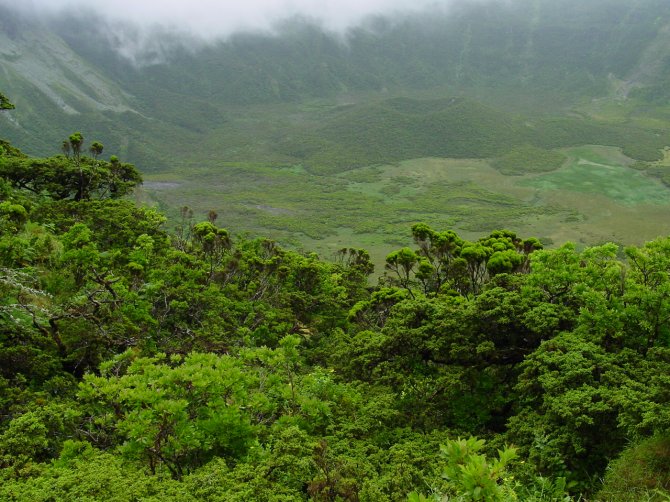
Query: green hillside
[
  {"x": 308, "y": 294},
  {"x": 400, "y": 129},
  {"x": 317, "y": 138},
  {"x": 533, "y": 56},
  {"x": 192, "y": 364}
]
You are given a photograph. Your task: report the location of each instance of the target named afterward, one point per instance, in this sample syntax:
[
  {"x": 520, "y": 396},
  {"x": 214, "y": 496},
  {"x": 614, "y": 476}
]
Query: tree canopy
[
  {"x": 137, "y": 361},
  {"x": 72, "y": 175}
]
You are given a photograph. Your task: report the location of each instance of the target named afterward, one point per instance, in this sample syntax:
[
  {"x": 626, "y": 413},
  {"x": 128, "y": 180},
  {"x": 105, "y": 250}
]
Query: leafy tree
[
  {"x": 647, "y": 295},
  {"x": 207, "y": 367},
  {"x": 7, "y": 150},
  {"x": 76, "y": 141},
  {"x": 375, "y": 311},
  {"x": 77, "y": 177},
  {"x": 117, "y": 222},
  {"x": 441, "y": 249},
  {"x": 96, "y": 149},
  {"x": 445, "y": 263},
  {"x": 175, "y": 413},
  {"x": 5, "y": 104},
  {"x": 568, "y": 416},
  {"x": 37, "y": 435},
  {"x": 402, "y": 263},
  {"x": 356, "y": 268},
  {"x": 214, "y": 243}
]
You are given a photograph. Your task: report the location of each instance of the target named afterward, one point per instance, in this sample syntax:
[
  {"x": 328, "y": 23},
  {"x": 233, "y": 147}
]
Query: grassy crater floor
[{"x": 593, "y": 198}]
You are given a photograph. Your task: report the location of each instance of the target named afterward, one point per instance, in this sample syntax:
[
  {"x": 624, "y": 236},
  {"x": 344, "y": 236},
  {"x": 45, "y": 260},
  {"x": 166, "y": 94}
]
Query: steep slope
[
  {"x": 171, "y": 97},
  {"x": 57, "y": 91},
  {"x": 650, "y": 76},
  {"x": 49, "y": 82},
  {"x": 41, "y": 59},
  {"x": 569, "y": 47}
]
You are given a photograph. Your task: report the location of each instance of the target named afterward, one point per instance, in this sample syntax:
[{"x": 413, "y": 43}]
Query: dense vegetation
[
  {"x": 320, "y": 139},
  {"x": 172, "y": 97},
  {"x": 527, "y": 159},
  {"x": 400, "y": 129},
  {"x": 142, "y": 363}
]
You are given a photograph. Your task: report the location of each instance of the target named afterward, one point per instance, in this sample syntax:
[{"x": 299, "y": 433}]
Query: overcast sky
[{"x": 220, "y": 17}]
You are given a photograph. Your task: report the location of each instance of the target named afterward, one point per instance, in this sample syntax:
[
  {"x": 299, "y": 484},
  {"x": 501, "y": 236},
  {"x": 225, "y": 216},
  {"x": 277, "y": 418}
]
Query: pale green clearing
[{"x": 598, "y": 175}]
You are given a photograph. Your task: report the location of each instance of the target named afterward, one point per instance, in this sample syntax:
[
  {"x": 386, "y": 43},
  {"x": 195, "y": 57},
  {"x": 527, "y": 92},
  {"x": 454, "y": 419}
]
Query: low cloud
[{"x": 208, "y": 18}]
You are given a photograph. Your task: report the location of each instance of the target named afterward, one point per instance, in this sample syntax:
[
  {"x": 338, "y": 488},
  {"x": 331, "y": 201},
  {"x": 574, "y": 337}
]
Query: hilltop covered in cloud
[
  {"x": 211, "y": 18},
  {"x": 189, "y": 80}
]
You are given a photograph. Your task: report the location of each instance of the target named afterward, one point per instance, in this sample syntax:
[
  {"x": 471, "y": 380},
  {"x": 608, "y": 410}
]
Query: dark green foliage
[
  {"x": 570, "y": 427},
  {"x": 5, "y": 104},
  {"x": 78, "y": 178},
  {"x": 527, "y": 159},
  {"x": 399, "y": 129},
  {"x": 203, "y": 366},
  {"x": 637, "y": 143}
]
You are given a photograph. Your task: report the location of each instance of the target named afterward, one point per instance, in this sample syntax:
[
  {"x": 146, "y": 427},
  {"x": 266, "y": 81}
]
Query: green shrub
[
  {"x": 527, "y": 160},
  {"x": 642, "y": 472}
]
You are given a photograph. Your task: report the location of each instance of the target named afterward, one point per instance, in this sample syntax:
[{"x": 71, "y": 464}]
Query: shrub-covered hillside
[{"x": 144, "y": 362}]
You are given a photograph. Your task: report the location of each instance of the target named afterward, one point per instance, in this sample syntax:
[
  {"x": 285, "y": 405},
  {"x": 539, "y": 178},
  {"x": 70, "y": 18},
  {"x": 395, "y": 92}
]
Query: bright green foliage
[
  {"x": 261, "y": 480},
  {"x": 7, "y": 150},
  {"x": 444, "y": 262},
  {"x": 96, "y": 149},
  {"x": 207, "y": 367},
  {"x": 80, "y": 253},
  {"x": 117, "y": 222},
  {"x": 85, "y": 474},
  {"x": 472, "y": 476},
  {"x": 648, "y": 294},
  {"x": 641, "y": 396},
  {"x": 76, "y": 141},
  {"x": 402, "y": 263},
  {"x": 173, "y": 413},
  {"x": 418, "y": 497},
  {"x": 14, "y": 213},
  {"x": 36, "y": 436}
]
